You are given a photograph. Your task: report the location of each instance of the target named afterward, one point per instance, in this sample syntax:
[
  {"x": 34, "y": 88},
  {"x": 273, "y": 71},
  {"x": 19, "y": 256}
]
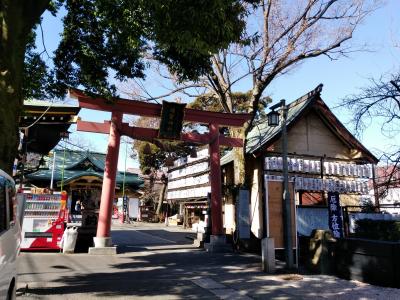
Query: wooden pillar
[
  {"x": 215, "y": 173},
  {"x": 110, "y": 170}
]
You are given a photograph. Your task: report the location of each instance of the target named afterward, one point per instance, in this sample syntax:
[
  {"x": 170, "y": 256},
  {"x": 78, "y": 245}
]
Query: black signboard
[
  {"x": 125, "y": 207},
  {"x": 335, "y": 215},
  {"x": 171, "y": 120}
]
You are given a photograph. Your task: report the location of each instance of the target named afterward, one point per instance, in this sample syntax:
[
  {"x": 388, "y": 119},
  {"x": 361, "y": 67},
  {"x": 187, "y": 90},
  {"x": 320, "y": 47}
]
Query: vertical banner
[
  {"x": 335, "y": 215},
  {"x": 171, "y": 120},
  {"x": 125, "y": 208}
]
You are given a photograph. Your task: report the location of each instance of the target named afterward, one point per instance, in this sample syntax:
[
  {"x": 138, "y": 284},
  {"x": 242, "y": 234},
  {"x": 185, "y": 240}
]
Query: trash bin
[{"x": 68, "y": 240}]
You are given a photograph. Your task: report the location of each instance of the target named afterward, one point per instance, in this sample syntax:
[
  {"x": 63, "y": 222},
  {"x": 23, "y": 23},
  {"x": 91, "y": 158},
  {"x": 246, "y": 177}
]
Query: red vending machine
[{"x": 44, "y": 221}]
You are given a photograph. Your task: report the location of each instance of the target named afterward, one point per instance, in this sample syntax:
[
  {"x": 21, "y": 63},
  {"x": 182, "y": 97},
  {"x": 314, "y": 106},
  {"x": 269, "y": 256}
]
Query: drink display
[{"x": 44, "y": 221}]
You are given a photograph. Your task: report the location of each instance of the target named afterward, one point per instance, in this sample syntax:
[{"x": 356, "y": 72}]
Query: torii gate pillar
[
  {"x": 215, "y": 176},
  {"x": 103, "y": 237},
  {"x": 118, "y": 128}
]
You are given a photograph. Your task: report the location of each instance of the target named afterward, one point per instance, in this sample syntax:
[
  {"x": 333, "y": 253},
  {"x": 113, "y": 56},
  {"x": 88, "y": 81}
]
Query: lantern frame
[{"x": 273, "y": 118}]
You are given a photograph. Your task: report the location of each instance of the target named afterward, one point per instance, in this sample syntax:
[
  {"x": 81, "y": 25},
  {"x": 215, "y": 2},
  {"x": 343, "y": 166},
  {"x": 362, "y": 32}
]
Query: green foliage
[
  {"x": 152, "y": 160},
  {"x": 378, "y": 230},
  {"x": 187, "y": 32},
  {"x": 241, "y": 103},
  {"x": 110, "y": 38},
  {"x": 36, "y": 77},
  {"x": 54, "y": 6}
]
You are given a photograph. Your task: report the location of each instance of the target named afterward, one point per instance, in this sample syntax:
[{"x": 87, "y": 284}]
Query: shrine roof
[
  {"x": 41, "y": 106},
  {"x": 46, "y": 122},
  {"x": 79, "y": 164},
  {"x": 262, "y": 135}
]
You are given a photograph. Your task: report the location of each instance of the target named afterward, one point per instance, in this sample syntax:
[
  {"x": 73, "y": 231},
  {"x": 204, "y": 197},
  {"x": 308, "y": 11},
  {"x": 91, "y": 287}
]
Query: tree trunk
[
  {"x": 12, "y": 52},
  {"x": 161, "y": 198},
  {"x": 239, "y": 162},
  {"x": 17, "y": 18}
]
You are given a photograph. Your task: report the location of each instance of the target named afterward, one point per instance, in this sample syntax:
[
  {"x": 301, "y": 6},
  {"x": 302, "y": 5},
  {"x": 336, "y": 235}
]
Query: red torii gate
[{"x": 115, "y": 128}]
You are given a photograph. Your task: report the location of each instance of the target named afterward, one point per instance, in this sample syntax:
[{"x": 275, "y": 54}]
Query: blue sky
[{"x": 342, "y": 77}]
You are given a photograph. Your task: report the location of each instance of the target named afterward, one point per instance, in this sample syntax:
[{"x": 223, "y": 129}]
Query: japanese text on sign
[
  {"x": 335, "y": 215},
  {"x": 171, "y": 120}
]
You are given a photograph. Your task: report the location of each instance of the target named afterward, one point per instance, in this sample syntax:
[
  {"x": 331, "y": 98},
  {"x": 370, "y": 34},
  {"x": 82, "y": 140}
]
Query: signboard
[
  {"x": 125, "y": 207},
  {"x": 335, "y": 215},
  {"x": 133, "y": 208},
  {"x": 243, "y": 214},
  {"x": 171, "y": 120},
  {"x": 190, "y": 179},
  {"x": 310, "y": 218}
]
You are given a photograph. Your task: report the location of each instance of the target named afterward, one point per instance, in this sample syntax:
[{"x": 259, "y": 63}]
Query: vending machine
[{"x": 44, "y": 221}]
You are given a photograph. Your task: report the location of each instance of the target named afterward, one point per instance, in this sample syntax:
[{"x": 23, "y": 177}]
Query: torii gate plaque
[{"x": 116, "y": 128}]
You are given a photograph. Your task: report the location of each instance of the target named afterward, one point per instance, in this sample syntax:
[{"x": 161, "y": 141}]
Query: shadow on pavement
[
  {"x": 160, "y": 264},
  {"x": 170, "y": 275},
  {"x": 140, "y": 240}
]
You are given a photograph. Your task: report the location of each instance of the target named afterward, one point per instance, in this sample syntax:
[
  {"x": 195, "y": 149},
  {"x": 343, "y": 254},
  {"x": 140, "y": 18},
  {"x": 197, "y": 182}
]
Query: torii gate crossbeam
[{"x": 116, "y": 128}]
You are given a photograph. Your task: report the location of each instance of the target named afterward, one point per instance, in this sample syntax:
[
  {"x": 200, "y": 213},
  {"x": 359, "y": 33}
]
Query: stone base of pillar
[
  {"x": 268, "y": 255},
  {"x": 218, "y": 244},
  {"x": 102, "y": 246},
  {"x": 202, "y": 238},
  {"x": 102, "y": 242},
  {"x": 103, "y": 250}
]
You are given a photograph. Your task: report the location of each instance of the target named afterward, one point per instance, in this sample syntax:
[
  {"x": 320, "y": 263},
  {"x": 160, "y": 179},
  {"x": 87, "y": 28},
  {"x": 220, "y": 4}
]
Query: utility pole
[
  {"x": 273, "y": 120},
  {"x": 287, "y": 211}
]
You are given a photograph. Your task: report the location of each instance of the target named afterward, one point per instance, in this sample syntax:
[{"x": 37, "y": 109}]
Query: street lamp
[{"x": 273, "y": 120}]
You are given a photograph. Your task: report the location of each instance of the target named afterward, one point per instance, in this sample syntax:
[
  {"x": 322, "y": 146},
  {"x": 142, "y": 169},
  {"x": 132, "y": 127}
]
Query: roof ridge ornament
[
  {"x": 307, "y": 96},
  {"x": 319, "y": 87},
  {"x": 315, "y": 91}
]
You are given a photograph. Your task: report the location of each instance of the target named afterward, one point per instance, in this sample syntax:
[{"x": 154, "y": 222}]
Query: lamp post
[{"x": 273, "y": 120}]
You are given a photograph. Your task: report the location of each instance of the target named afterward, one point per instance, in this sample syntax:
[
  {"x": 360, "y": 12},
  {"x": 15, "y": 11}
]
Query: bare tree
[
  {"x": 379, "y": 103},
  {"x": 280, "y": 35},
  {"x": 380, "y": 100}
]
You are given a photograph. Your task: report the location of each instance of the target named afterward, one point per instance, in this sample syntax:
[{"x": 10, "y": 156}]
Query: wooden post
[
  {"x": 108, "y": 189},
  {"x": 215, "y": 173},
  {"x": 214, "y": 119}
]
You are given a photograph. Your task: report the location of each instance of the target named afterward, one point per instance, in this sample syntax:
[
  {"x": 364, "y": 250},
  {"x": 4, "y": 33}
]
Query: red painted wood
[
  {"x": 120, "y": 106},
  {"x": 215, "y": 174},
  {"x": 138, "y": 132},
  {"x": 149, "y": 133},
  {"x": 135, "y": 107},
  {"x": 110, "y": 171},
  {"x": 93, "y": 126},
  {"x": 192, "y": 137},
  {"x": 230, "y": 142}
]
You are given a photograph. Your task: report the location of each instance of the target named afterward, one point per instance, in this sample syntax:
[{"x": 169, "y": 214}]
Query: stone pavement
[{"x": 159, "y": 262}]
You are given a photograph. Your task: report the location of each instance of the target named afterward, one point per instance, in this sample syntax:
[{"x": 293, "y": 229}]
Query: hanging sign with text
[
  {"x": 125, "y": 207},
  {"x": 335, "y": 215},
  {"x": 171, "y": 120}
]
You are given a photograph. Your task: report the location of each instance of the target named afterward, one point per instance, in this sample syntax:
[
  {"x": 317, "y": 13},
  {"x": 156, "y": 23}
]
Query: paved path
[{"x": 159, "y": 262}]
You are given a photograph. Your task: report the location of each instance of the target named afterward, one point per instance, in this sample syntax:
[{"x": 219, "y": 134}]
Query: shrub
[{"x": 383, "y": 230}]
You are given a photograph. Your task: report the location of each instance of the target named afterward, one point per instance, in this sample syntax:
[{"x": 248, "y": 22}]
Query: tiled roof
[
  {"x": 35, "y": 102},
  {"x": 227, "y": 158},
  {"x": 261, "y": 133},
  {"x": 73, "y": 169}
]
